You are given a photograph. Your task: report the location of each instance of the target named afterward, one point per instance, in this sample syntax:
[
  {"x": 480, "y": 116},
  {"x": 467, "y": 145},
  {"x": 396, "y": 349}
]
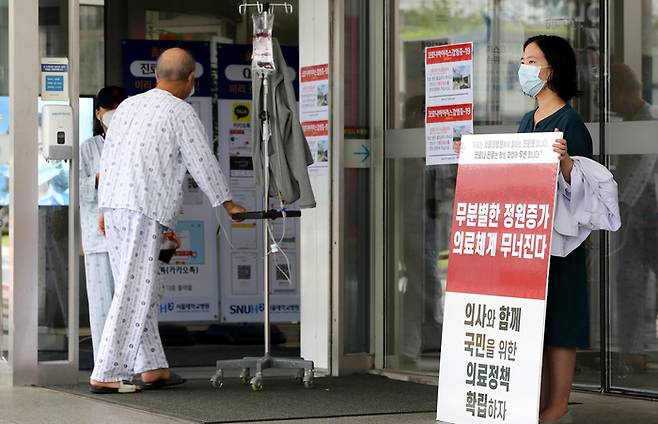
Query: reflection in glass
[
  {"x": 92, "y": 49},
  {"x": 497, "y": 30},
  {"x": 632, "y": 252},
  {"x": 5, "y": 146},
  {"x": 53, "y": 180},
  {"x": 356, "y": 232}
]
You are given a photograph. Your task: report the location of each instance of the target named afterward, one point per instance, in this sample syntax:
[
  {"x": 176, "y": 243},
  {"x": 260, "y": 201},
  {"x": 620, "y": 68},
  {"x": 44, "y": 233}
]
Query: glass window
[
  {"x": 497, "y": 30},
  {"x": 53, "y": 182},
  {"x": 632, "y": 117},
  {"x": 420, "y": 198},
  {"x": 5, "y": 147},
  {"x": 213, "y": 22},
  {"x": 92, "y": 49},
  {"x": 356, "y": 194}
]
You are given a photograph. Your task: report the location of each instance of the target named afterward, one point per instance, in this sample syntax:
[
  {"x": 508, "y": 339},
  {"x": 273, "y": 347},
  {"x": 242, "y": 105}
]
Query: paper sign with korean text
[
  {"x": 314, "y": 93},
  {"x": 55, "y": 78},
  {"x": 495, "y": 303},
  {"x": 317, "y": 137},
  {"x": 314, "y": 114},
  {"x": 448, "y": 100}
]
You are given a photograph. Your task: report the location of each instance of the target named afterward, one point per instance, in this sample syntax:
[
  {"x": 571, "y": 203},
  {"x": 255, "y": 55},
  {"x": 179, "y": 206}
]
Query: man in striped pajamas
[{"x": 155, "y": 138}]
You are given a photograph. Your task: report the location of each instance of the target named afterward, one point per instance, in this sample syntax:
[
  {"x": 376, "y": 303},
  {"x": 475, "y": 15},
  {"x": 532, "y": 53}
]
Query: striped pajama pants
[
  {"x": 100, "y": 286},
  {"x": 131, "y": 343}
]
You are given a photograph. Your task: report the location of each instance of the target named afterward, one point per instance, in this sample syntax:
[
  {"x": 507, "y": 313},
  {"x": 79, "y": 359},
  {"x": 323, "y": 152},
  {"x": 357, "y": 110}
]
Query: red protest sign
[
  {"x": 495, "y": 300},
  {"x": 501, "y": 229}
]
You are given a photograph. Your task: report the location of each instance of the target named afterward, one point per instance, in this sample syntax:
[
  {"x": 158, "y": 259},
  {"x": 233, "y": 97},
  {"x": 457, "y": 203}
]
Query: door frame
[{"x": 23, "y": 366}]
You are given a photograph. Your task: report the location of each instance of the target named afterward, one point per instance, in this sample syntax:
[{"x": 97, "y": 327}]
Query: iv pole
[{"x": 305, "y": 369}]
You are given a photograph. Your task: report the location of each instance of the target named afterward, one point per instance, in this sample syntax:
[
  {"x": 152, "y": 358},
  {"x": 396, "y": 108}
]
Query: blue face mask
[{"x": 531, "y": 84}]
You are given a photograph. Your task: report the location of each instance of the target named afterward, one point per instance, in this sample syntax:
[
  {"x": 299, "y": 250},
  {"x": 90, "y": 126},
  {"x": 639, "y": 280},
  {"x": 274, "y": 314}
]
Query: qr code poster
[{"x": 493, "y": 326}]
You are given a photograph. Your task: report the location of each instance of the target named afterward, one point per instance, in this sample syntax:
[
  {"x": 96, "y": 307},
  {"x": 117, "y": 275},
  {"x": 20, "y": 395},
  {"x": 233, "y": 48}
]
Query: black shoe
[{"x": 161, "y": 383}]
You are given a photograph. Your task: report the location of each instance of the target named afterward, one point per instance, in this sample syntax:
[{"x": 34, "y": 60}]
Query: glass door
[
  {"x": 194, "y": 342},
  {"x": 419, "y": 198},
  {"x": 632, "y": 148},
  {"x": 5, "y": 149},
  {"x": 57, "y": 261}
]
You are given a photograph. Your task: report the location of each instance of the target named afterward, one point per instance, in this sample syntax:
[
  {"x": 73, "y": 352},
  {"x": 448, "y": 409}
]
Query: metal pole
[
  {"x": 604, "y": 257},
  {"x": 73, "y": 222},
  {"x": 23, "y": 212},
  {"x": 266, "y": 205}
]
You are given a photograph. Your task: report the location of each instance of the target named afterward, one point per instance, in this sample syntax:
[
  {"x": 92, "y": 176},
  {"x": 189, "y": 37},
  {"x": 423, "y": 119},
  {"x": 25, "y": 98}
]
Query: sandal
[{"x": 124, "y": 387}]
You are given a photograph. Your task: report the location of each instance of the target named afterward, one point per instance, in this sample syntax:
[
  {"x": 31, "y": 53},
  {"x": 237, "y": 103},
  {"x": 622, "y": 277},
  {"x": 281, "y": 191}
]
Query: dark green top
[
  {"x": 567, "y": 310},
  {"x": 567, "y": 120}
]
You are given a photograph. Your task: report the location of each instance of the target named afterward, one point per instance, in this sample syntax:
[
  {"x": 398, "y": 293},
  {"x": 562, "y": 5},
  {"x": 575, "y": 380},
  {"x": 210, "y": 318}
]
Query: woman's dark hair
[
  {"x": 562, "y": 59},
  {"x": 107, "y": 98},
  {"x": 98, "y": 128}
]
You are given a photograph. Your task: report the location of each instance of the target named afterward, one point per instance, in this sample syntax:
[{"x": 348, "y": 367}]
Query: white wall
[{"x": 315, "y": 253}]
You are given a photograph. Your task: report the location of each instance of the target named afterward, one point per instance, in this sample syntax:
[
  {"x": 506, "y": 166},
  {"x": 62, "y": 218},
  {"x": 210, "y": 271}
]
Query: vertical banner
[
  {"x": 241, "y": 256},
  {"x": 190, "y": 279},
  {"x": 448, "y": 100},
  {"x": 495, "y": 304},
  {"x": 314, "y": 114}
]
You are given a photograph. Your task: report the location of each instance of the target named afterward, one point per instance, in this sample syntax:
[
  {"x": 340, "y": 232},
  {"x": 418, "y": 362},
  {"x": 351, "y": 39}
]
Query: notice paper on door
[{"x": 448, "y": 100}]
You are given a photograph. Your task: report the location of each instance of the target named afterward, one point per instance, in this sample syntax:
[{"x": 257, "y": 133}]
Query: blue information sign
[
  {"x": 140, "y": 56},
  {"x": 234, "y": 70}
]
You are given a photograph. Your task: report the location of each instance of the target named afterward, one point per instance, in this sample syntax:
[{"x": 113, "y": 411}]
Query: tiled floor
[{"x": 32, "y": 405}]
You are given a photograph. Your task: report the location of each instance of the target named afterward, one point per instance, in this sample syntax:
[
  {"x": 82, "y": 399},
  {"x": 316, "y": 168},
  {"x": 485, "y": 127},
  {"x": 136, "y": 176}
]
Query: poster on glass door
[
  {"x": 448, "y": 100},
  {"x": 495, "y": 303},
  {"x": 190, "y": 279},
  {"x": 314, "y": 115}
]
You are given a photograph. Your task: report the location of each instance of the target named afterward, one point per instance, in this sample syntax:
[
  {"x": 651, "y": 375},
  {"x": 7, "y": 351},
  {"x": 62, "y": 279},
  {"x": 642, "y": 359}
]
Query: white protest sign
[{"x": 493, "y": 328}]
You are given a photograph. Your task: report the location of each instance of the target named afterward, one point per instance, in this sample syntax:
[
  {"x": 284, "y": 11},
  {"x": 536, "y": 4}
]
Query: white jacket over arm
[{"x": 588, "y": 203}]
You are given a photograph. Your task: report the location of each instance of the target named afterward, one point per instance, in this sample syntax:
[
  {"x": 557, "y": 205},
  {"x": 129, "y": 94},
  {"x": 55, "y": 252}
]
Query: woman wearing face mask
[
  {"x": 548, "y": 74},
  {"x": 100, "y": 284}
]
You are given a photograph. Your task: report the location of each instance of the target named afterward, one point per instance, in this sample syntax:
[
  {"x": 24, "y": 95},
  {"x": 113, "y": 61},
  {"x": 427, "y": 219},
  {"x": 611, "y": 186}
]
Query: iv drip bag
[{"x": 262, "y": 59}]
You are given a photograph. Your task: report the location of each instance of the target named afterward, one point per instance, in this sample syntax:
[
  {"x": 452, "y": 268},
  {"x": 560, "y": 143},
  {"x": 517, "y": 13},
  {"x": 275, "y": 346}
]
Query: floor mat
[
  {"x": 194, "y": 356},
  {"x": 281, "y": 398}
]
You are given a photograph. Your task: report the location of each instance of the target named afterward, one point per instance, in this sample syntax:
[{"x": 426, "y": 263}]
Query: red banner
[
  {"x": 438, "y": 114},
  {"x": 315, "y": 73},
  {"x": 315, "y": 128},
  {"x": 501, "y": 229},
  {"x": 452, "y": 53}
]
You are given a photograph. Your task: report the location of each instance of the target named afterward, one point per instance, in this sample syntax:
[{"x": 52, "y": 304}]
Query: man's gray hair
[{"x": 175, "y": 67}]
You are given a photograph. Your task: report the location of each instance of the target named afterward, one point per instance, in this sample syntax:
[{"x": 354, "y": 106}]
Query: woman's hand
[
  {"x": 457, "y": 145},
  {"x": 566, "y": 163}
]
